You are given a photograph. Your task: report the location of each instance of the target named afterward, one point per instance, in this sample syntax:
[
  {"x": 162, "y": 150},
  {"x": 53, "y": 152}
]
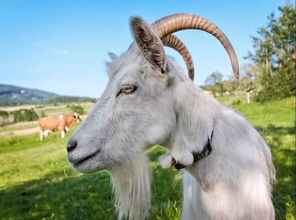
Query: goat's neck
[{"x": 195, "y": 112}]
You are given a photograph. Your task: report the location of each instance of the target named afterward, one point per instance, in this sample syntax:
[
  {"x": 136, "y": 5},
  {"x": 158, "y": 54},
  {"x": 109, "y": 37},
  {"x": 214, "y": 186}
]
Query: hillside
[
  {"x": 15, "y": 95},
  {"x": 11, "y": 95}
]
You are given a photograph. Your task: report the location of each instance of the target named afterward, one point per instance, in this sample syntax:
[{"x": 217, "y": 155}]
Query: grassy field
[
  {"x": 41, "y": 110},
  {"x": 59, "y": 109},
  {"x": 38, "y": 183},
  {"x": 19, "y": 127}
]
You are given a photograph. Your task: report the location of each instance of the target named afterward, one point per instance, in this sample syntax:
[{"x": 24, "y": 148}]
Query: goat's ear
[
  {"x": 112, "y": 56},
  {"x": 148, "y": 42}
]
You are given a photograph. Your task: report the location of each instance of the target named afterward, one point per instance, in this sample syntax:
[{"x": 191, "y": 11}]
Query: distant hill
[
  {"x": 14, "y": 95},
  {"x": 67, "y": 99}
]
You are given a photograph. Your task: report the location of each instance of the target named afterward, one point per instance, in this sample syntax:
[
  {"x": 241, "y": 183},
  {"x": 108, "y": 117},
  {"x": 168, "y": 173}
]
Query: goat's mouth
[{"x": 81, "y": 161}]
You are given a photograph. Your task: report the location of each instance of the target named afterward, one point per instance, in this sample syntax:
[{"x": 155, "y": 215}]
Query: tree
[
  {"x": 214, "y": 78},
  {"x": 4, "y": 115},
  {"x": 247, "y": 78},
  {"x": 273, "y": 56},
  {"x": 214, "y": 83},
  {"x": 78, "y": 109},
  {"x": 25, "y": 115}
]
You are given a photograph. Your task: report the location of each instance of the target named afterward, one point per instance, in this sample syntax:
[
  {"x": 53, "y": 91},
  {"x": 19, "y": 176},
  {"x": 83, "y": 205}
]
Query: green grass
[
  {"x": 38, "y": 183},
  {"x": 19, "y": 127},
  {"x": 230, "y": 100},
  {"x": 54, "y": 110}
]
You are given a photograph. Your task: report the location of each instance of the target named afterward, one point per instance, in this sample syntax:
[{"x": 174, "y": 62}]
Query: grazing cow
[{"x": 54, "y": 122}]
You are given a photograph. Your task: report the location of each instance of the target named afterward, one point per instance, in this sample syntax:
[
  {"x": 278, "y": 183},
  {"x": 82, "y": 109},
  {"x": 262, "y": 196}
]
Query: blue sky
[{"x": 61, "y": 46}]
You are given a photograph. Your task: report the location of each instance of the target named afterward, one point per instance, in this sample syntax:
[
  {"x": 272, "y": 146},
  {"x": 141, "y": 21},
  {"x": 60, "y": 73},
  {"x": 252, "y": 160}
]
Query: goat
[
  {"x": 54, "y": 122},
  {"x": 227, "y": 166}
]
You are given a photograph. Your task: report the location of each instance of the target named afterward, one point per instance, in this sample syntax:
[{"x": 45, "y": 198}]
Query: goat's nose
[{"x": 71, "y": 145}]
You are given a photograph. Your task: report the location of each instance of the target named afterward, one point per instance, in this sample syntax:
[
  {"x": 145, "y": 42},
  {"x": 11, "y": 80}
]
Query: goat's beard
[{"x": 131, "y": 185}]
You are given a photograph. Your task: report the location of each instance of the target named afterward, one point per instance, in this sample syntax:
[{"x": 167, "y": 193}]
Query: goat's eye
[{"x": 127, "y": 90}]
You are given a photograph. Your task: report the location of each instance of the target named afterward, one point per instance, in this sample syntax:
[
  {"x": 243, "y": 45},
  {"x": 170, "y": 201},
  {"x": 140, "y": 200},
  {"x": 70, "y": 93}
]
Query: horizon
[
  {"x": 23, "y": 87},
  {"x": 62, "y": 47}
]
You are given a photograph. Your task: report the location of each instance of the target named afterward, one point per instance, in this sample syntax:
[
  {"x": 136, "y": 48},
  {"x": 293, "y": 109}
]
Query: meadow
[{"x": 38, "y": 183}]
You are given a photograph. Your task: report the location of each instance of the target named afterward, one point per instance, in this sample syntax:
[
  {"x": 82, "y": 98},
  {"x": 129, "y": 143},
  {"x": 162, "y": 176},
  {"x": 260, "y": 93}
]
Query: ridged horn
[
  {"x": 177, "y": 22},
  {"x": 175, "y": 43}
]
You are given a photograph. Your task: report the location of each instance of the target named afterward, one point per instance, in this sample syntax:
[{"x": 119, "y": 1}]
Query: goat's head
[
  {"x": 134, "y": 112},
  {"x": 137, "y": 108},
  {"x": 141, "y": 107}
]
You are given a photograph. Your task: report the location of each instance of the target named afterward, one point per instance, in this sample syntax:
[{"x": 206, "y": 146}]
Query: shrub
[
  {"x": 236, "y": 102},
  {"x": 25, "y": 115},
  {"x": 78, "y": 109},
  {"x": 42, "y": 114},
  {"x": 4, "y": 115}
]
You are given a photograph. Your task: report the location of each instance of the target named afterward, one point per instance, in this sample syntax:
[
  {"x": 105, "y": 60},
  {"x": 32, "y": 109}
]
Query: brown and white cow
[{"x": 54, "y": 122}]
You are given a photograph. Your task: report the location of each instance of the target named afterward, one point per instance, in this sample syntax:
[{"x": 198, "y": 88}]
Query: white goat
[{"x": 228, "y": 170}]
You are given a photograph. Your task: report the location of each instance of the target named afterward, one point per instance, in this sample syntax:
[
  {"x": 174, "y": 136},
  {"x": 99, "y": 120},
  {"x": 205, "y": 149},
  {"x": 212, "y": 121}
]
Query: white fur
[
  {"x": 233, "y": 183},
  {"x": 220, "y": 201},
  {"x": 41, "y": 135},
  {"x": 46, "y": 132},
  {"x": 131, "y": 184},
  {"x": 165, "y": 160}
]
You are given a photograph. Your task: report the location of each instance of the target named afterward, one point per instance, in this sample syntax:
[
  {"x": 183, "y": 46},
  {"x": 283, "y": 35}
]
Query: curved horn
[
  {"x": 175, "y": 43},
  {"x": 176, "y": 22}
]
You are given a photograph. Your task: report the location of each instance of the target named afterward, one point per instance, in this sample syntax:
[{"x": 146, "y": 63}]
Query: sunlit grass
[{"x": 38, "y": 183}]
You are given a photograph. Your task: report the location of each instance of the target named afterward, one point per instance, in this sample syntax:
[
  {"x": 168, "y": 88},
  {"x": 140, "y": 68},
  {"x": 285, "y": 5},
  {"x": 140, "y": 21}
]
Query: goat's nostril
[
  {"x": 70, "y": 148},
  {"x": 71, "y": 145}
]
